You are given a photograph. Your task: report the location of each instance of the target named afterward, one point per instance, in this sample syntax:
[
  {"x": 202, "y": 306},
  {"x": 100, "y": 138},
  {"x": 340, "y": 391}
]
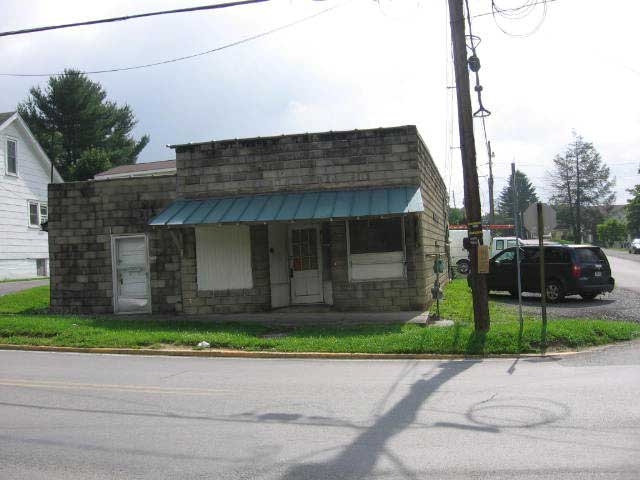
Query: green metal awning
[{"x": 276, "y": 207}]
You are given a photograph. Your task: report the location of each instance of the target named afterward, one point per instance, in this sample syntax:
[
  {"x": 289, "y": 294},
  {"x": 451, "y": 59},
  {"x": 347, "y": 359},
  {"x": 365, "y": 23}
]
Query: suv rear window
[{"x": 590, "y": 255}]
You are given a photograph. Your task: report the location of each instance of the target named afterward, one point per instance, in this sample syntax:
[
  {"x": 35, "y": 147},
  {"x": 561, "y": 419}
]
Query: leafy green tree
[
  {"x": 80, "y": 130},
  {"x": 612, "y": 231},
  {"x": 526, "y": 196},
  {"x": 633, "y": 212},
  {"x": 457, "y": 216},
  {"x": 580, "y": 180}
]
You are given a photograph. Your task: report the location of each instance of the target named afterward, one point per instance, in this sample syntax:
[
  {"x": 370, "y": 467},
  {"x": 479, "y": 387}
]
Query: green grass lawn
[{"x": 21, "y": 324}]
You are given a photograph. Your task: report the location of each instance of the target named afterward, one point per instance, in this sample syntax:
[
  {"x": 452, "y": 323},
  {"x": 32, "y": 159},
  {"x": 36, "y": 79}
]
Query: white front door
[
  {"x": 306, "y": 273},
  {"x": 131, "y": 275}
]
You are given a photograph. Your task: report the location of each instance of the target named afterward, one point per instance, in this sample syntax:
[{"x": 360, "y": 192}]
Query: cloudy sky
[{"x": 363, "y": 64}]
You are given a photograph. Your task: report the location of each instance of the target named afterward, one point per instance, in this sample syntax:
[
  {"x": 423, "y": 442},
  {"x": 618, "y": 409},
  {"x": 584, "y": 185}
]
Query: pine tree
[
  {"x": 580, "y": 180},
  {"x": 526, "y": 196},
  {"x": 80, "y": 130}
]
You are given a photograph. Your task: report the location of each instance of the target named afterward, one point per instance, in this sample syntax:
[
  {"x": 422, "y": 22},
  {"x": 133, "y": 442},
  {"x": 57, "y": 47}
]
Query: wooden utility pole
[{"x": 468, "y": 149}]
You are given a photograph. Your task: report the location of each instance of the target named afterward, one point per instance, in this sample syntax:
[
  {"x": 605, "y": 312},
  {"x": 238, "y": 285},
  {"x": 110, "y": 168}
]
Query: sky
[{"x": 362, "y": 64}]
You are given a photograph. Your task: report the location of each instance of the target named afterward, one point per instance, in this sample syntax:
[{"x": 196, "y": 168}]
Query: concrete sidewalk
[{"x": 17, "y": 286}]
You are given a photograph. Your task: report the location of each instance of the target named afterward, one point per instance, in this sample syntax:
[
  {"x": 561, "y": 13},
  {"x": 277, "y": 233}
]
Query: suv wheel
[
  {"x": 589, "y": 295},
  {"x": 554, "y": 291},
  {"x": 463, "y": 267}
]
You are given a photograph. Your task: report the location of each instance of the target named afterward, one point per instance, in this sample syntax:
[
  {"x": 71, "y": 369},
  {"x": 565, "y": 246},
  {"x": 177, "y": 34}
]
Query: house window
[
  {"x": 223, "y": 257},
  {"x": 376, "y": 236},
  {"x": 376, "y": 249},
  {"x": 12, "y": 157},
  {"x": 33, "y": 214},
  {"x": 38, "y": 213},
  {"x": 44, "y": 213},
  {"x": 41, "y": 267}
]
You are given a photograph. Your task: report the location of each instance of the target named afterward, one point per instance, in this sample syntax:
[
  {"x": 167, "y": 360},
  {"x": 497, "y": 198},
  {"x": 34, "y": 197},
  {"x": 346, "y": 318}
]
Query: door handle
[{"x": 291, "y": 273}]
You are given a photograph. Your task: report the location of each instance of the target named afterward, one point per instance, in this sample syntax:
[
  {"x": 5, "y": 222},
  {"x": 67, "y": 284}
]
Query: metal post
[
  {"x": 516, "y": 220},
  {"x": 543, "y": 301}
]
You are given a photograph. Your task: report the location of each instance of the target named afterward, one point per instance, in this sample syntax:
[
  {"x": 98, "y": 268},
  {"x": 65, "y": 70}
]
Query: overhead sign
[{"x": 530, "y": 218}]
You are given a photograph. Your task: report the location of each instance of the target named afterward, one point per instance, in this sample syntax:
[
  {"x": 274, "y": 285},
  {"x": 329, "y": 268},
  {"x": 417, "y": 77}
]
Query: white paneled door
[
  {"x": 131, "y": 275},
  {"x": 306, "y": 274}
]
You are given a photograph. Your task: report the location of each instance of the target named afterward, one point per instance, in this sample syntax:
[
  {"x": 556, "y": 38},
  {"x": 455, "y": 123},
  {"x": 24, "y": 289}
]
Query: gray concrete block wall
[
  {"x": 256, "y": 299},
  {"x": 82, "y": 218},
  {"x": 433, "y": 222},
  {"x": 305, "y": 162},
  {"x": 378, "y": 295}
]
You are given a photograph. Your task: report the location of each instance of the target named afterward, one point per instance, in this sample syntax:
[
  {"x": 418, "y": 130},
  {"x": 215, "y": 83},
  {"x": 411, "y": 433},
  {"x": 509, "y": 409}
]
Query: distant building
[
  {"x": 25, "y": 171},
  {"x": 350, "y": 220},
  {"x": 147, "y": 169}
]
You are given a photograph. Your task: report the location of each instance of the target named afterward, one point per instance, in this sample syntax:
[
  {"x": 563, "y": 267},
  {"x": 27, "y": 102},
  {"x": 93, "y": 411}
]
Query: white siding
[
  {"x": 18, "y": 240},
  {"x": 14, "y": 269},
  {"x": 223, "y": 256}
]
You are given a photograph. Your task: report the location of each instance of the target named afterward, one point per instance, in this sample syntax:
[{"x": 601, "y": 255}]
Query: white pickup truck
[{"x": 460, "y": 257}]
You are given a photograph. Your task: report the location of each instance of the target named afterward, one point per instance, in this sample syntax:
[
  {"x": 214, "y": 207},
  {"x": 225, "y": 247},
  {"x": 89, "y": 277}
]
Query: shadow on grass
[{"x": 476, "y": 343}]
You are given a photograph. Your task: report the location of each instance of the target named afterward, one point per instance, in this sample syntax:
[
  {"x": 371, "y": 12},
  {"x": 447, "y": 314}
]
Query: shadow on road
[{"x": 358, "y": 459}]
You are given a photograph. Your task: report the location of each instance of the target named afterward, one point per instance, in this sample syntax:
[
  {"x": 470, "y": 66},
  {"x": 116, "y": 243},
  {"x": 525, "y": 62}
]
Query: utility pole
[
  {"x": 468, "y": 150},
  {"x": 578, "y": 232},
  {"x": 491, "y": 210}
]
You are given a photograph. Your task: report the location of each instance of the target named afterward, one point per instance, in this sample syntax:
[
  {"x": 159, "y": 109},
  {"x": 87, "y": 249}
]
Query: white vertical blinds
[{"x": 223, "y": 257}]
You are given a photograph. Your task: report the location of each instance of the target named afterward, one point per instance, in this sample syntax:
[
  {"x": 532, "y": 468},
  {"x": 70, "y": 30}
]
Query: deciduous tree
[{"x": 633, "y": 212}]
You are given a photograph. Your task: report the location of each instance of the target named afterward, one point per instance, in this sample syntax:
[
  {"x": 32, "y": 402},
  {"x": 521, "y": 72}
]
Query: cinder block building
[{"x": 350, "y": 219}]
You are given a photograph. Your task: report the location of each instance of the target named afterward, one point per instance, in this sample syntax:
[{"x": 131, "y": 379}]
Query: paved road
[
  {"x": 12, "y": 287},
  {"x": 75, "y": 416},
  {"x": 625, "y": 268}
]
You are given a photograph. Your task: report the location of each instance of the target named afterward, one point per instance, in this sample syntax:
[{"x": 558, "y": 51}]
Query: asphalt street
[
  {"x": 78, "y": 416},
  {"x": 625, "y": 268},
  {"x": 12, "y": 287}
]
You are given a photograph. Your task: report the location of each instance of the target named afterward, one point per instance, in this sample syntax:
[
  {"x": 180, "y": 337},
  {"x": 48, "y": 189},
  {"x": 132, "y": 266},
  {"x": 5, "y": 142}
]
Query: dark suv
[{"x": 569, "y": 270}]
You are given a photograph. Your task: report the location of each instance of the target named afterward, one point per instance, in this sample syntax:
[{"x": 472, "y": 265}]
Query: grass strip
[{"x": 131, "y": 332}]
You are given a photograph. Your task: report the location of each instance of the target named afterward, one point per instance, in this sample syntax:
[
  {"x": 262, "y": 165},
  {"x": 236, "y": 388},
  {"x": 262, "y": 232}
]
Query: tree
[
  {"x": 633, "y": 212},
  {"x": 457, "y": 216},
  {"x": 580, "y": 179},
  {"x": 526, "y": 196},
  {"x": 612, "y": 231},
  {"x": 81, "y": 131}
]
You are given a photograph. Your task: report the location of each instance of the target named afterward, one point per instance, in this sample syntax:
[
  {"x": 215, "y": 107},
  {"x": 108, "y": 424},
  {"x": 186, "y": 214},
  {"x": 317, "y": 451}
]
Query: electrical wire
[
  {"x": 129, "y": 17},
  {"x": 186, "y": 57},
  {"x": 519, "y": 13},
  {"x": 539, "y": 2}
]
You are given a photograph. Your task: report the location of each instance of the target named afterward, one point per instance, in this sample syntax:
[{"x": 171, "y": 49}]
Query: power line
[
  {"x": 186, "y": 57},
  {"x": 539, "y": 2},
  {"x": 129, "y": 17}
]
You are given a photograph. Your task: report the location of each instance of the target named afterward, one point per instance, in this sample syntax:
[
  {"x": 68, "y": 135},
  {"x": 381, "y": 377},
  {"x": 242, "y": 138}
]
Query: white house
[{"x": 25, "y": 172}]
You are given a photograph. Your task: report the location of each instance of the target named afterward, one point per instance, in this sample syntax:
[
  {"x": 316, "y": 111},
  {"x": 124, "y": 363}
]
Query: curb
[{"x": 213, "y": 353}]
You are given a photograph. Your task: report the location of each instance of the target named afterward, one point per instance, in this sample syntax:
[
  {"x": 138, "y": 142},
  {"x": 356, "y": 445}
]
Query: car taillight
[{"x": 576, "y": 271}]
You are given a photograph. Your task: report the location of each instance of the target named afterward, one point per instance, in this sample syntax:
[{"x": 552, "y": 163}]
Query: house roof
[
  {"x": 5, "y": 116},
  {"x": 163, "y": 167},
  {"x": 278, "y": 207}
]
